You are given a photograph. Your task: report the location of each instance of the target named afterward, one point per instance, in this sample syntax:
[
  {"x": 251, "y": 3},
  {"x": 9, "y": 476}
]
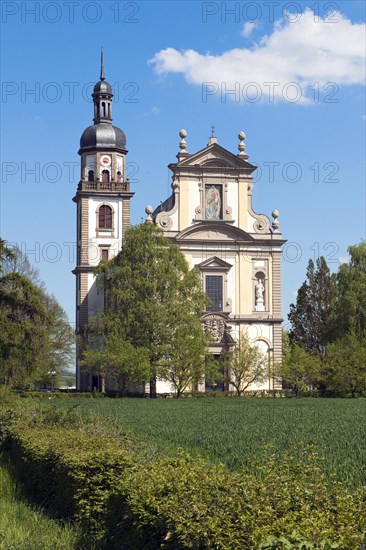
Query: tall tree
[
  {"x": 350, "y": 308},
  {"x": 23, "y": 329},
  {"x": 310, "y": 316},
  {"x": 185, "y": 364},
  {"x": 35, "y": 336},
  {"x": 18, "y": 262},
  {"x": 147, "y": 287},
  {"x": 245, "y": 365},
  {"x": 59, "y": 348}
]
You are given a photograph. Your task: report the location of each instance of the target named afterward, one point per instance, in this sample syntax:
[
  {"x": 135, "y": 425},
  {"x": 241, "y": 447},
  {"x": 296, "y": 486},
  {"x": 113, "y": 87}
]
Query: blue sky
[{"x": 296, "y": 71}]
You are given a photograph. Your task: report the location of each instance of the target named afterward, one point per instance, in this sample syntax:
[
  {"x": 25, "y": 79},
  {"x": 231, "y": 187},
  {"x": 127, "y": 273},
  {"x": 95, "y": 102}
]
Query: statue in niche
[{"x": 259, "y": 296}]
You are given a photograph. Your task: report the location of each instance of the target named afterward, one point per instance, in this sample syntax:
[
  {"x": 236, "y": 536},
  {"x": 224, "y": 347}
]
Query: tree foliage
[
  {"x": 151, "y": 297},
  {"x": 310, "y": 316},
  {"x": 120, "y": 361},
  {"x": 299, "y": 369},
  {"x": 35, "y": 336},
  {"x": 346, "y": 364},
  {"x": 350, "y": 308},
  {"x": 245, "y": 365},
  {"x": 329, "y": 320}
]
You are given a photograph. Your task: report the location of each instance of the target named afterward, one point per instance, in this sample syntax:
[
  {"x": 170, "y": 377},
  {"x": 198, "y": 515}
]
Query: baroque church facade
[{"x": 209, "y": 216}]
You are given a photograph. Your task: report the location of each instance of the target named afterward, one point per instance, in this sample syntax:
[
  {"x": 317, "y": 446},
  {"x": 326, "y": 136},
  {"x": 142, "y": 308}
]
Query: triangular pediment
[
  {"x": 214, "y": 262},
  {"x": 213, "y": 231},
  {"x": 215, "y": 156}
]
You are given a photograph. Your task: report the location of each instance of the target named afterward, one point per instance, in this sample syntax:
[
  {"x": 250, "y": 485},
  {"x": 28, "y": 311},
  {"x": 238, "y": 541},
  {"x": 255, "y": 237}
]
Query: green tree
[
  {"x": 59, "y": 348},
  {"x": 35, "y": 336},
  {"x": 6, "y": 255},
  {"x": 18, "y": 262},
  {"x": 146, "y": 288},
  {"x": 245, "y": 365},
  {"x": 350, "y": 308},
  {"x": 23, "y": 329},
  {"x": 346, "y": 364},
  {"x": 120, "y": 361},
  {"x": 310, "y": 317},
  {"x": 185, "y": 364},
  {"x": 299, "y": 369}
]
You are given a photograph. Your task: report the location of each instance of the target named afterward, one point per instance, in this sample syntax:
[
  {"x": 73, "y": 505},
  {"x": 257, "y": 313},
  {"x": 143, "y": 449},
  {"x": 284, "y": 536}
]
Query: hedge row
[
  {"x": 124, "y": 500},
  {"x": 179, "y": 503}
]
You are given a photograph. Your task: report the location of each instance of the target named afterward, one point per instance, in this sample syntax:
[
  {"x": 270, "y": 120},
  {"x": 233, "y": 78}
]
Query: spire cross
[
  {"x": 212, "y": 131},
  {"x": 102, "y": 65}
]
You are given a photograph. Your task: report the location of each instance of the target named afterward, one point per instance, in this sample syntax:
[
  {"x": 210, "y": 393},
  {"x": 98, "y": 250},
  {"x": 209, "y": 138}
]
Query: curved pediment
[{"x": 213, "y": 231}]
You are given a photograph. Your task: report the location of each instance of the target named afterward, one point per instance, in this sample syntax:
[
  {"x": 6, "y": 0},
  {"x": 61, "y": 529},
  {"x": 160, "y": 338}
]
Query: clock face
[{"x": 105, "y": 160}]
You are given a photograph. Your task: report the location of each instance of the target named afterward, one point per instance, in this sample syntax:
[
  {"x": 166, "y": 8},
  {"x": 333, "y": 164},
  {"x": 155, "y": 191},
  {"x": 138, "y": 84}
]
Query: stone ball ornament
[{"x": 182, "y": 133}]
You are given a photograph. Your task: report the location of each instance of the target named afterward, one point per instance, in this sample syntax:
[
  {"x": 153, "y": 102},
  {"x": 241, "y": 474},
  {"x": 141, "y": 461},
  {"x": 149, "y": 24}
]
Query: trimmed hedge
[
  {"x": 68, "y": 472},
  {"x": 180, "y": 503}
]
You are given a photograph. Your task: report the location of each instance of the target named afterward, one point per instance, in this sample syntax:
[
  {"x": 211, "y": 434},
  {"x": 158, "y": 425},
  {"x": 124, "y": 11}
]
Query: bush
[
  {"x": 68, "y": 472},
  {"x": 180, "y": 503}
]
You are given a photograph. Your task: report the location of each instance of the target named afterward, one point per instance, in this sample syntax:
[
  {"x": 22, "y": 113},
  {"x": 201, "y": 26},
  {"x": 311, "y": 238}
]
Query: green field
[{"x": 233, "y": 431}]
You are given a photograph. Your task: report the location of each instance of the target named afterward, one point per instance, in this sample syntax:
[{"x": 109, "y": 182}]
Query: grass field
[
  {"x": 233, "y": 431},
  {"x": 22, "y": 527}
]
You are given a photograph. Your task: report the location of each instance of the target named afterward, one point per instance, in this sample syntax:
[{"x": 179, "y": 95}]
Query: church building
[{"x": 209, "y": 215}]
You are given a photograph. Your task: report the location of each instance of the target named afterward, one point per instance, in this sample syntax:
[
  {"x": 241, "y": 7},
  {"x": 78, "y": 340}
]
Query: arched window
[
  {"x": 105, "y": 176},
  {"x": 103, "y": 109},
  {"x": 119, "y": 176},
  {"x": 91, "y": 175},
  {"x": 105, "y": 217}
]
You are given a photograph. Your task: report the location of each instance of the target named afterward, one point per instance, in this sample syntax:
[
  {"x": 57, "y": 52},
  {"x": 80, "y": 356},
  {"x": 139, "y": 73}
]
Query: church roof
[{"x": 103, "y": 136}]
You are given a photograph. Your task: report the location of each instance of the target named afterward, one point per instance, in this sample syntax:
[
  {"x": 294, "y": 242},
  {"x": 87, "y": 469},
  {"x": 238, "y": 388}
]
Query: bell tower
[{"x": 103, "y": 208}]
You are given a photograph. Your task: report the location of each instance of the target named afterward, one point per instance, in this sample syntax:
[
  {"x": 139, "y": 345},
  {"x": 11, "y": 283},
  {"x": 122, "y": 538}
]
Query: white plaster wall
[
  {"x": 251, "y": 222},
  {"x": 175, "y": 220},
  {"x": 231, "y": 283},
  {"x": 114, "y": 239},
  {"x": 260, "y": 330},
  {"x": 232, "y": 200},
  {"x": 95, "y": 299},
  {"x": 194, "y": 199},
  {"x": 162, "y": 386}
]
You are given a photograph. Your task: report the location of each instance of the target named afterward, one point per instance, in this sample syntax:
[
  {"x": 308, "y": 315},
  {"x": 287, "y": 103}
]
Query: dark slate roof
[
  {"x": 103, "y": 136},
  {"x": 102, "y": 87}
]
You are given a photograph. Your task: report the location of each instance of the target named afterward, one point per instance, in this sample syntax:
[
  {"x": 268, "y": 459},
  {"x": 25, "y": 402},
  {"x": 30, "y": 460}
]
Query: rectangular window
[
  {"x": 104, "y": 254},
  {"x": 213, "y": 202},
  {"x": 213, "y": 289}
]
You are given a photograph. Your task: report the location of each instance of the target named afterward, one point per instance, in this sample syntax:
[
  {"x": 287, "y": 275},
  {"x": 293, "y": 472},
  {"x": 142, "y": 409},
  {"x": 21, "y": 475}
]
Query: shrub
[
  {"x": 180, "y": 503},
  {"x": 68, "y": 472}
]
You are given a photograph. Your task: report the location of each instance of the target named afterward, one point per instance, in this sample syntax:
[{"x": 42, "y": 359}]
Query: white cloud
[
  {"x": 305, "y": 52},
  {"x": 153, "y": 111},
  {"x": 249, "y": 27}
]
